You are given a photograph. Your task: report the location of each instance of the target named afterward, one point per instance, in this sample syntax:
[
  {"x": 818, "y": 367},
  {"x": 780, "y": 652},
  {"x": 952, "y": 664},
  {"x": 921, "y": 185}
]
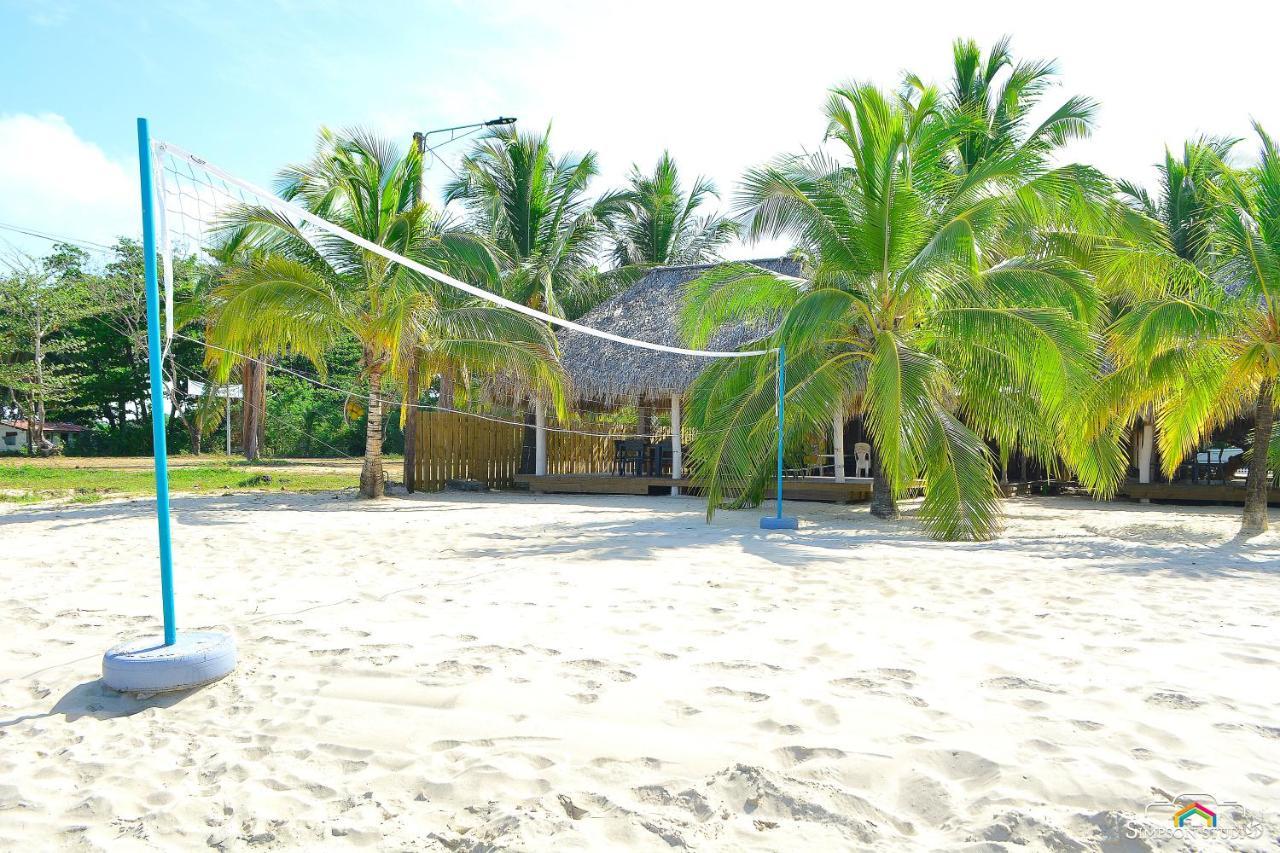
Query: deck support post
[
  {"x": 540, "y": 438},
  {"x": 677, "y": 452},
  {"x": 837, "y": 443},
  {"x": 1146, "y": 447}
]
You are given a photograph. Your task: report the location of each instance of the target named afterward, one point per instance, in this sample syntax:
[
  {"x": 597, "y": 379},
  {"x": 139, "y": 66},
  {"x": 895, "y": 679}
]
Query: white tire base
[{"x": 147, "y": 665}]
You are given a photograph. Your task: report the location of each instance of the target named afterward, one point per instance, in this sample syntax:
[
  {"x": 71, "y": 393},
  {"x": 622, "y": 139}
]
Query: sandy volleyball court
[{"x": 479, "y": 672}]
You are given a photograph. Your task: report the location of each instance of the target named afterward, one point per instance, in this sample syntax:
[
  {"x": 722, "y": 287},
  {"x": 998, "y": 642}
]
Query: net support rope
[
  {"x": 405, "y": 404},
  {"x": 289, "y": 209}
]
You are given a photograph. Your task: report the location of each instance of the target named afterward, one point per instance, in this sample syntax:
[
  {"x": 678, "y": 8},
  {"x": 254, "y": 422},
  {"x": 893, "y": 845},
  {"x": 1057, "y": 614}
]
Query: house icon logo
[
  {"x": 1194, "y": 817},
  {"x": 1195, "y": 814}
]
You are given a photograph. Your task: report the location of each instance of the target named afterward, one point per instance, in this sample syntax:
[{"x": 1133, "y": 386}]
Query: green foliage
[
  {"x": 533, "y": 207},
  {"x": 658, "y": 222},
  {"x": 1200, "y": 336},
  {"x": 934, "y": 305},
  {"x": 289, "y": 289},
  {"x": 33, "y": 482}
]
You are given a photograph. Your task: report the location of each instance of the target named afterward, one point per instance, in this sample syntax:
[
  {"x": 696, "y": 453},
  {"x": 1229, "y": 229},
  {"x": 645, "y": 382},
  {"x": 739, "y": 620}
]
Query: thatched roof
[{"x": 647, "y": 311}]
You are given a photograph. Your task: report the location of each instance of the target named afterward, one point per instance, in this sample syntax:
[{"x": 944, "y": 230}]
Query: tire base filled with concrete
[
  {"x": 147, "y": 665},
  {"x": 786, "y": 522}
]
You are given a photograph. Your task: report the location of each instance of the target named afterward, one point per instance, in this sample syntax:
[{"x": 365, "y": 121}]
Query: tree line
[{"x": 965, "y": 292}]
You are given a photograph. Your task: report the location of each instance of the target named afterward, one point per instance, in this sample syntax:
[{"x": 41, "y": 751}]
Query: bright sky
[{"x": 246, "y": 83}]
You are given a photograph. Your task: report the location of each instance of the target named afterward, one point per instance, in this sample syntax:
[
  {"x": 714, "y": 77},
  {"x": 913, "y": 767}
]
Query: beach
[{"x": 482, "y": 672}]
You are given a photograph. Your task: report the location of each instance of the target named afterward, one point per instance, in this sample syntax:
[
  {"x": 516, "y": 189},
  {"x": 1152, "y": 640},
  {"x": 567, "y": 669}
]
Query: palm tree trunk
[
  {"x": 251, "y": 426},
  {"x": 883, "y": 504},
  {"x": 1255, "y": 488},
  {"x": 372, "y": 480}
]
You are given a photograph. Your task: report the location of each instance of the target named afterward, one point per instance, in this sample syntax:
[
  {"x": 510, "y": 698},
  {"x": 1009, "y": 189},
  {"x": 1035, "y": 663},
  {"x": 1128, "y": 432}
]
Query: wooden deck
[
  {"x": 853, "y": 490},
  {"x": 1232, "y": 493}
]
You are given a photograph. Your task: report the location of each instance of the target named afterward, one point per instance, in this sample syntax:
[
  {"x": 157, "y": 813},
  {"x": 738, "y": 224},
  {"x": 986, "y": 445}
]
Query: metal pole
[
  {"x": 157, "y": 386},
  {"x": 228, "y": 420},
  {"x": 782, "y": 402},
  {"x": 677, "y": 451},
  {"x": 837, "y": 444}
]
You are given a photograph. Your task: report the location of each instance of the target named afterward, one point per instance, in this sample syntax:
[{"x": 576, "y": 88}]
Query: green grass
[{"x": 87, "y": 485}]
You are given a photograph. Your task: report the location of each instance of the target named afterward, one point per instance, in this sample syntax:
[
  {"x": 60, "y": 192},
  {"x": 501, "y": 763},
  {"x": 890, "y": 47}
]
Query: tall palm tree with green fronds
[
  {"x": 1170, "y": 227},
  {"x": 1181, "y": 207},
  {"x": 1205, "y": 331},
  {"x": 659, "y": 222},
  {"x": 296, "y": 287},
  {"x": 997, "y": 94},
  {"x": 925, "y": 307},
  {"x": 533, "y": 206}
]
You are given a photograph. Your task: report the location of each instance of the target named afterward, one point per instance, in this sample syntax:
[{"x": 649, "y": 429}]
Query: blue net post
[
  {"x": 155, "y": 355},
  {"x": 780, "y": 521},
  {"x": 782, "y": 403}
]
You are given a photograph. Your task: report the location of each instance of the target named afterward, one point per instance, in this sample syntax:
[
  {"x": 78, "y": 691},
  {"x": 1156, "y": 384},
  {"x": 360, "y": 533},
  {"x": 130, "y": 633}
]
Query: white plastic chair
[{"x": 862, "y": 459}]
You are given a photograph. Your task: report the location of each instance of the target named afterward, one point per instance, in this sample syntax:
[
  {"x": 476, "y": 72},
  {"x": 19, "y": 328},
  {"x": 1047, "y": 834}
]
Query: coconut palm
[
  {"x": 1152, "y": 231},
  {"x": 921, "y": 309},
  {"x": 1182, "y": 207},
  {"x": 533, "y": 206},
  {"x": 997, "y": 95},
  {"x": 1206, "y": 331},
  {"x": 659, "y": 222},
  {"x": 300, "y": 288}
]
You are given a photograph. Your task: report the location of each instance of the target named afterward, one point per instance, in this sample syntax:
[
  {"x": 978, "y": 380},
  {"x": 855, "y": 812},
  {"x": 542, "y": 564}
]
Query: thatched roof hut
[{"x": 648, "y": 311}]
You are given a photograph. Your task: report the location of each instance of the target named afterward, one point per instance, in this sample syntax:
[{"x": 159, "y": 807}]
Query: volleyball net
[{"x": 196, "y": 202}]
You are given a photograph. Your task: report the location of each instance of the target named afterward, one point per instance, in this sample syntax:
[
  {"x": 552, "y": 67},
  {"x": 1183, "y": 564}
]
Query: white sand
[{"x": 475, "y": 672}]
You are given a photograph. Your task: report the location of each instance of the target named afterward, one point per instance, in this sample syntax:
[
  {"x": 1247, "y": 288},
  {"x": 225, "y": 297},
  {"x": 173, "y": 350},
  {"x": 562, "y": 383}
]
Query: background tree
[
  {"x": 921, "y": 308},
  {"x": 303, "y": 291},
  {"x": 533, "y": 207},
  {"x": 1206, "y": 331},
  {"x": 658, "y": 222},
  {"x": 1164, "y": 230},
  {"x": 996, "y": 96},
  {"x": 37, "y": 309}
]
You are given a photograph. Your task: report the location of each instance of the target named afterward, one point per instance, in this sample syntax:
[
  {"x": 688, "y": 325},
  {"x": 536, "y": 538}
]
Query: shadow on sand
[
  {"x": 95, "y": 699},
  {"x": 654, "y": 524}
]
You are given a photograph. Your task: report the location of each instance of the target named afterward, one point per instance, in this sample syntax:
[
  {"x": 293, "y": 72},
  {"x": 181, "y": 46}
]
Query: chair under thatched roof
[{"x": 648, "y": 311}]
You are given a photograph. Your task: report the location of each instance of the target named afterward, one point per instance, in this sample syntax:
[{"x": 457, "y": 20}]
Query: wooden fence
[{"x": 454, "y": 446}]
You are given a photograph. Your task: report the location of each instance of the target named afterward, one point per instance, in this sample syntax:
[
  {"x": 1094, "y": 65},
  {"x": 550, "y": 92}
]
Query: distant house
[{"x": 13, "y": 434}]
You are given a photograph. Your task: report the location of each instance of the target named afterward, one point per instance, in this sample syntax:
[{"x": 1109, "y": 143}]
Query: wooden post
[
  {"x": 837, "y": 443},
  {"x": 677, "y": 452},
  {"x": 411, "y": 426},
  {"x": 1146, "y": 447},
  {"x": 1146, "y": 444},
  {"x": 540, "y": 438}
]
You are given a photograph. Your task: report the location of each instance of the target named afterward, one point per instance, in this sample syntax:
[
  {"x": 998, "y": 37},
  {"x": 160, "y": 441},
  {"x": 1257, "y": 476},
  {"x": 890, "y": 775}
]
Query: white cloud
[{"x": 53, "y": 181}]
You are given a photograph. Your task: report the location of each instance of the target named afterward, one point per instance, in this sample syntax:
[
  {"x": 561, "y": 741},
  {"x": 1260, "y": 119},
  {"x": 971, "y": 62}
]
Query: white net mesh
[{"x": 196, "y": 197}]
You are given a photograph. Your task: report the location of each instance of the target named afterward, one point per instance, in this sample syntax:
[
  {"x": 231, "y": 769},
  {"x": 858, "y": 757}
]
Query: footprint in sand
[
  {"x": 967, "y": 768},
  {"x": 1176, "y": 701},
  {"x": 826, "y": 714},
  {"x": 770, "y": 725},
  {"x": 790, "y": 756},
  {"x": 746, "y": 695},
  {"x": 1011, "y": 682}
]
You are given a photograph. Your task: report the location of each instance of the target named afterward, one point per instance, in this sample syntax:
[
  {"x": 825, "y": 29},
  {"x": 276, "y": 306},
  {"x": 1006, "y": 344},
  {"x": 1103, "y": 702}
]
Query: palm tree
[
  {"x": 1206, "y": 330},
  {"x": 997, "y": 94},
  {"x": 533, "y": 207},
  {"x": 301, "y": 288},
  {"x": 1171, "y": 226},
  {"x": 658, "y": 223},
  {"x": 922, "y": 309}
]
